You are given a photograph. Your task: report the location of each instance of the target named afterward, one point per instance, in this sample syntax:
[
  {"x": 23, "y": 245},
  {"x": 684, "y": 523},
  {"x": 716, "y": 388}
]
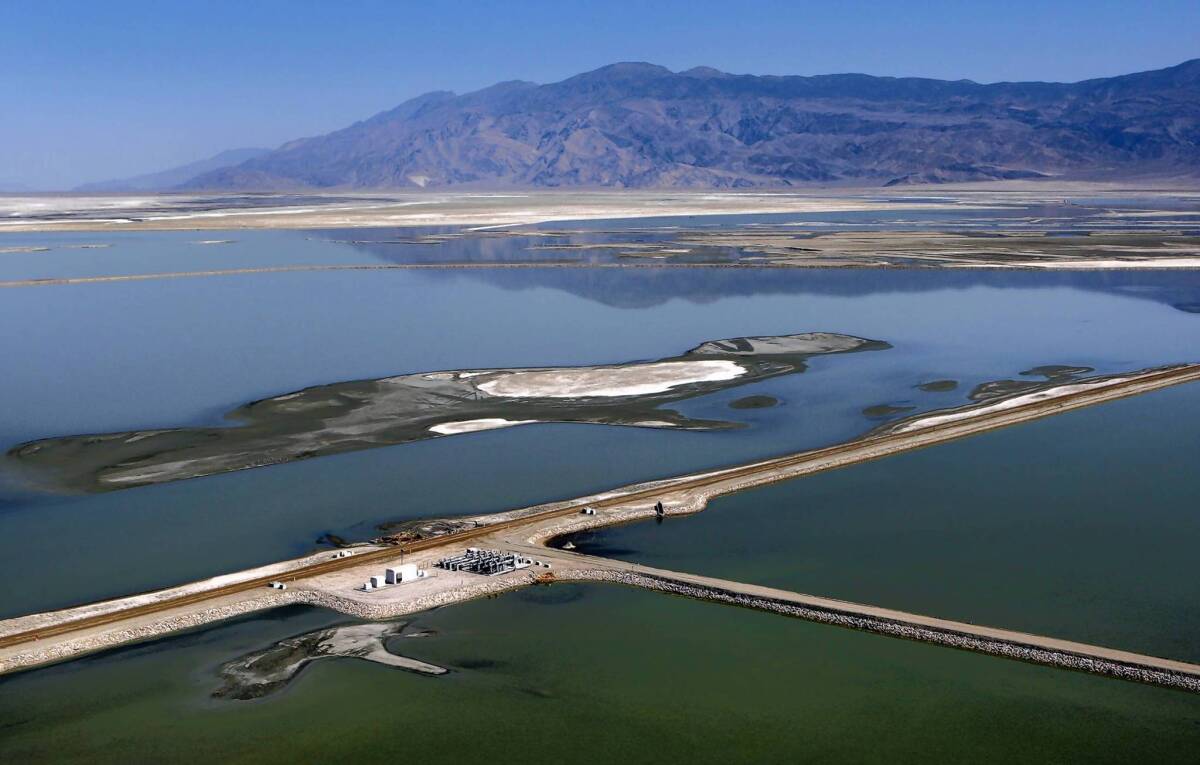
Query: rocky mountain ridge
[{"x": 635, "y": 125}]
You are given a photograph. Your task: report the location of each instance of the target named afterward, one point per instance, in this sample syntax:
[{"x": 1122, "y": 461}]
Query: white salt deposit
[
  {"x": 637, "y": 380},
  {"x": 470, "y": 426},
  {"x": 1100, "y": 264},
  {"x": 1008, "y": 403}
]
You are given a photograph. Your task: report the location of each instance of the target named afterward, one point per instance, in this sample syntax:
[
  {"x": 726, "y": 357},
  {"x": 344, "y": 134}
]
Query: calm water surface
[
  {"x": 594, "y": 674},
  {"x": 1082, "y": 526},
  {"x": 179, "y": 352}
]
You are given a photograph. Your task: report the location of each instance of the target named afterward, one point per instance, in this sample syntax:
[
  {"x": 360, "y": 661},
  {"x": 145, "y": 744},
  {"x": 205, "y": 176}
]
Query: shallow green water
[
  {"x": 1081, "y": 526},
  {"x": 595, "y": 674}
]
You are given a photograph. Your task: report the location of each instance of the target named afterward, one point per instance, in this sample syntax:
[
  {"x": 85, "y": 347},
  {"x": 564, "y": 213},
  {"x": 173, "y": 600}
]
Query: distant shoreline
[
  {"x": 1107, "y": 265},
  {"x": 29, "y": 213},
  {"x": 161, "y": 212}
]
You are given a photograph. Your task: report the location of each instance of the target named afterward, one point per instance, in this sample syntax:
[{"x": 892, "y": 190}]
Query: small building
[
  {"x": 404, "y": 573},
  {"x": 377, "y": 582}
]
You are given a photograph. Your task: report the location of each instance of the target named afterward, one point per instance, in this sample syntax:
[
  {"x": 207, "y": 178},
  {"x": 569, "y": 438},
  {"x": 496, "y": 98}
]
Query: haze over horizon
[{"x": 133, "y": 88}]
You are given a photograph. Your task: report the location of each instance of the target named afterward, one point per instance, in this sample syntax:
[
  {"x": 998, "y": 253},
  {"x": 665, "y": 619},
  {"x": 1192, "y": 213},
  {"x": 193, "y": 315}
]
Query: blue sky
[{"x": 101, "y": 89}]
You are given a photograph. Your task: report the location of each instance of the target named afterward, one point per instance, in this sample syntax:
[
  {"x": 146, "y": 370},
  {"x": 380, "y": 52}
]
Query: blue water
[
  {"x": 1080, "y": 526},
  {"x": 73, "y": 254},
  {"x": 121, "y": 356}
]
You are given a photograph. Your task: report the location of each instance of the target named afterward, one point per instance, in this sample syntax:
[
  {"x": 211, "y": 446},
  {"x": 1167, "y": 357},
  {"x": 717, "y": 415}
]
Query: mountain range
[
  {"x": 638, "y": 125},
  {"x": 167, "y": 179}
]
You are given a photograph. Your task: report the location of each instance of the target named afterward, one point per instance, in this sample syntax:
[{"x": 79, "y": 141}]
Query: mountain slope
[
  {"x": 169, "y": 179},
  {"x": 641, "y": 125}
]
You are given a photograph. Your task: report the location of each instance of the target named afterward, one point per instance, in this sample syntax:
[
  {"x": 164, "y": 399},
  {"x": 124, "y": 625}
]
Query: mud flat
[
  {"x": 1099, "y": 250},
  {"x": 938, "y": 386},
  {"x": 731, "y": 247},
  {"x": 165, "y": 212},
  {"x": 365, "y": 414},
  {"x": 754, "y": 402},
  {"x": 228, "y": 211},
  {"x": 264, "y": 672}
]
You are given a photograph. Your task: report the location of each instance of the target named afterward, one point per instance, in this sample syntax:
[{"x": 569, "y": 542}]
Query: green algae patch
[
  {"x": 885, "y": 410},
  {"x": 938, "y": 386},
  {"x": 754, "y": 402},
  {"x": 1057, "y": 371}
]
